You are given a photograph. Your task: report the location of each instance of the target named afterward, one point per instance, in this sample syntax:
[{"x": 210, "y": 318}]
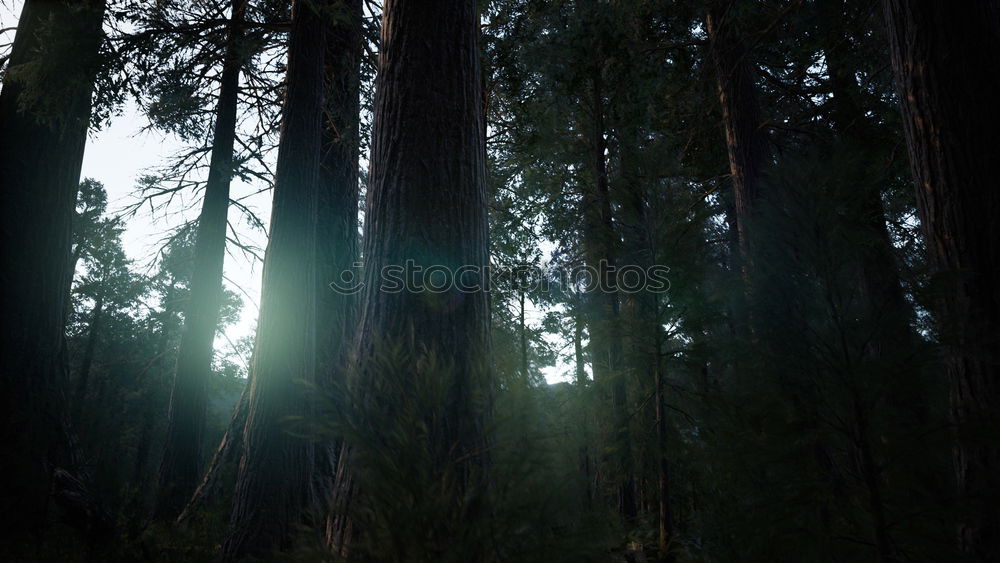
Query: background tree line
[{"x": 820, "y": 383}]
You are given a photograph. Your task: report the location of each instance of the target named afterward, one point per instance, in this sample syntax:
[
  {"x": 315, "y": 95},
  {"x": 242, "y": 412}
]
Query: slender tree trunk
[
  {"x": 181, "y": 467},
  {"x": 665, "y": 520},
  {"x": 274, "y": 489},
  {"x": 80, "y": 394},
  {"x": 581, "y": 361},
  {"x": 878, "y": 270},
  {"x": 645, "y": 334},
  {"x": 523, "y": 336},
  {"x": 427, "y": 204},
  {"x": 337, "y": 226},
  {"x": 43, "y": 130},
  {"x": 604, "y": 322},
  {"x": 884, "y": 305},
  {"x": 947, "y": 75},
  {"x": 159, "y": 370}
]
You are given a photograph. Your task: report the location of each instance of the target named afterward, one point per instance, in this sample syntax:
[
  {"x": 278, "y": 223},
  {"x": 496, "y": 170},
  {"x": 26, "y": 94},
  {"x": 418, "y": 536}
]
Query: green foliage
[
  {"x": 804, "y": 410},
  {"x": 523, "y": 498},
  {"x": 123, "y": 405}
]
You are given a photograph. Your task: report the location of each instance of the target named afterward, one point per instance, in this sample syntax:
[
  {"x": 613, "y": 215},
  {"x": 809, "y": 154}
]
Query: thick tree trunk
[
  {"x": 337, "y": 227},
  {"x": 181, "y": 466},
  {"x": 427, "y": 204},
  {"x": 43, "y": 130},
  {"x": 274, "y": 485},
  {"x": 947, "y": 75}
]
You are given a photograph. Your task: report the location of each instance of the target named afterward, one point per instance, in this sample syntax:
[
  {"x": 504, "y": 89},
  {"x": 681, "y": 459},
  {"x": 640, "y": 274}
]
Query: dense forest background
[{"x": 813, "y": 377}]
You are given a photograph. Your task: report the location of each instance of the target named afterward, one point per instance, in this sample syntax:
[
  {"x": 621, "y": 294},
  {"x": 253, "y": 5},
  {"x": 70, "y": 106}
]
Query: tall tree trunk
[
  {"x": 947, "y": 75},
  {"x": 274, "y": 485},
  {"x": 337, "y": 227},
  {"x": 181, "y": 466},
  {"x": 878, "y": 270},
  {"x": 337, "y": 223},
  {"x": 882, "y": 300},
  {"x": 645, "y": 334},
  {"x": 599, "y": 242},
  {"x": 427, "y": 204},
  {"x": 523, "y": 336},
  {"x": 745, "y": 139},
  {"x": 578, "y": 356},
  {"x": 43, "y": 130},
  {"x": 80, "y": 394}
]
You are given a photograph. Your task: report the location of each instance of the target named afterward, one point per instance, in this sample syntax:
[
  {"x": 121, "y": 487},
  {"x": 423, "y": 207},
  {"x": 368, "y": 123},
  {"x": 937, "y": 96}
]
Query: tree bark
[
  {"x": 947, "y": 75},
  {"x": 746, "y": 142},
  {"x": 43, "y": 130},
  {"x": 181, "y": 466},
  {"x": 427, "y": 205},
  {"x": 273, "y": 493},
  {"x": 337, "y": 227}
]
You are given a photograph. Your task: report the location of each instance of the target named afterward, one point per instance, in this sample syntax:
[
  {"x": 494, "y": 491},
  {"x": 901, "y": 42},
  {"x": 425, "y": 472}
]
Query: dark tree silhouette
[
  {"x": 45, "y": 110},
  {"x": 947, "y": 74}
]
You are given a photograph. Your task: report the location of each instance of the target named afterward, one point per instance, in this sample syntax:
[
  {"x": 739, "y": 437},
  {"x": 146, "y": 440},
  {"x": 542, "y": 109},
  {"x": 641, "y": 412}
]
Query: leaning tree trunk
[
  {"x": 273, "y": 493},
  {"x": 947, "y": 75},
  {"x": 44, "y": 118},
  {"x": 427, "y": 204},
  {"x": 181, "y": 465}
]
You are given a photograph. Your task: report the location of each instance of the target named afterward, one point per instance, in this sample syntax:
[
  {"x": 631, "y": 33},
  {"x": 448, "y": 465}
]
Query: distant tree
[{"x": 182, "y": 465}]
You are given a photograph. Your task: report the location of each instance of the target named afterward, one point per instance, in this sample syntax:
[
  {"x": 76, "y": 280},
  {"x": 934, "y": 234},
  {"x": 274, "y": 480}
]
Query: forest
[{"x": 670, "y": 281}]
